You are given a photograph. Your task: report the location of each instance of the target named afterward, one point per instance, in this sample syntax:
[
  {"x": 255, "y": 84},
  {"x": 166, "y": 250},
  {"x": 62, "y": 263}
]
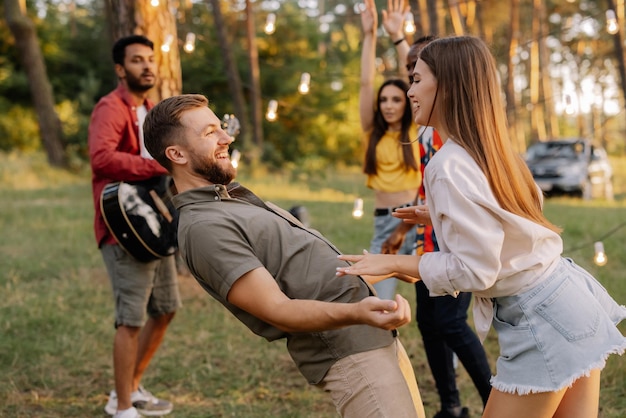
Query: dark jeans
[{"x": 442, "y": 320}]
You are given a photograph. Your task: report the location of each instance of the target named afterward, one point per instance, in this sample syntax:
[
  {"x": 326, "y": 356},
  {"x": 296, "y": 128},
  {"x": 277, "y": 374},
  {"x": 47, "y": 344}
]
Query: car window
[{"x": 543, "y": 150}]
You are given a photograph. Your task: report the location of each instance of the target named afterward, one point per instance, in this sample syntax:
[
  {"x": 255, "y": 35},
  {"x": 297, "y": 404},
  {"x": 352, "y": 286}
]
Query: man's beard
[
  {"x": 212, "y": 171},
  {"x": 134, "y": 84}
]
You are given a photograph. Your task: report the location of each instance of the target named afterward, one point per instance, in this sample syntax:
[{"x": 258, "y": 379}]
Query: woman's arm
[
  {"x": 369, "y": 23},
  {"x": 393, "y": 22}
]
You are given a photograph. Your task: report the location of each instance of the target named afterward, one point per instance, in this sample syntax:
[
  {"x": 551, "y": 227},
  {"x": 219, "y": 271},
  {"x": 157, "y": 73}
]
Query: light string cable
[{"x": 601, "y": 238}]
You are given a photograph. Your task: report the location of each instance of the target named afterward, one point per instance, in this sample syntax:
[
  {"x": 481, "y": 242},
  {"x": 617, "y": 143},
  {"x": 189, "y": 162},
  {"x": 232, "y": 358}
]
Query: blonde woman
[{"x": 556, "y": 324}]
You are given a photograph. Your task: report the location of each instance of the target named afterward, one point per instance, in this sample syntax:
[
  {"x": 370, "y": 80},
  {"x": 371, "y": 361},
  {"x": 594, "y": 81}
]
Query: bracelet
[{"x": 399, "y": 41}]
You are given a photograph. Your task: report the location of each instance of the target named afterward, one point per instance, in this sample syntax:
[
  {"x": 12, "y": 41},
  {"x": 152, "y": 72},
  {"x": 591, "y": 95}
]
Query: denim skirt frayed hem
[{"x": 556, "y": 332}]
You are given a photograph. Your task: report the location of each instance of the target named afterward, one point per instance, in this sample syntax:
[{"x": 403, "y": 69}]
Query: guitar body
[{"x": 141, "y": 217}]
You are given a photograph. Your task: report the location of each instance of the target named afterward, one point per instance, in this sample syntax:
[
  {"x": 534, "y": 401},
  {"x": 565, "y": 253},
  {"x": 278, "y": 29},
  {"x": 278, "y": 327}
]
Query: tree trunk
[
  {"x": 234, "y": 81},
  {"x": 31, "y": 58},
  {"x": 255, "y": 79},
  {"x": 458, "y": 21},
  {"x": 157, "y": 23},
  {"x": 619, "y": 49},
  {"x": 433, "y": 16},
  {"x": 537, "y": 117},
  {"x": 550, "y": 118},
  {"x": 517, "y": 137}
]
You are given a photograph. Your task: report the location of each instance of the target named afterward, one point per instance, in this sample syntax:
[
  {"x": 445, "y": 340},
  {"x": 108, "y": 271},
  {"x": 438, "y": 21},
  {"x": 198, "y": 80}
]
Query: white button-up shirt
[{"x": 484, "y": 249}]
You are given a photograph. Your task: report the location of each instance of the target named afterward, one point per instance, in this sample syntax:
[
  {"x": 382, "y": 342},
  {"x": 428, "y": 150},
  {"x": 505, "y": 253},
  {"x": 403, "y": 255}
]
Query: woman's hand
[
  {"x": 369, "y": 18},
  {"x": 376, "y": 267},
  {"x": 393, "y": 18},
  {"x": 414, "y": 214}
]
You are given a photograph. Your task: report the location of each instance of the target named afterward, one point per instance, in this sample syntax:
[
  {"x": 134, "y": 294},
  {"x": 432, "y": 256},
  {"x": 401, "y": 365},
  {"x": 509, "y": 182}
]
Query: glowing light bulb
[
  {"x": 235, "y": 156},
  {"x": 600, "y": 257},
  {"x": 272, "y": 111},
  {"x": 305, "y": 82},
  {"x": 154, "y": 3},
  {"x": 409, "y": 23},
  {"x": 569, "y": 107},
  {"x": 167, "y": 43},
  {"x": 270, "y": 24},
  {"x": 357, "y": 211},
  {"x": 190, "y": 42},
  {"x": 336, "y": 85},
  {"x": 611, "y": 22}
]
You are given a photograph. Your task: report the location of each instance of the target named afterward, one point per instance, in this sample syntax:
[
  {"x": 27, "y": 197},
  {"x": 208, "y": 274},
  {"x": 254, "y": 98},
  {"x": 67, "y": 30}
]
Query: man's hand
[{"x": 385, "y": 314}]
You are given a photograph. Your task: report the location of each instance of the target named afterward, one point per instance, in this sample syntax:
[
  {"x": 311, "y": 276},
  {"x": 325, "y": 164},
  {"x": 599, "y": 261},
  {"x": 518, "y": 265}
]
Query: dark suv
[{"x": 572, "y": 166}]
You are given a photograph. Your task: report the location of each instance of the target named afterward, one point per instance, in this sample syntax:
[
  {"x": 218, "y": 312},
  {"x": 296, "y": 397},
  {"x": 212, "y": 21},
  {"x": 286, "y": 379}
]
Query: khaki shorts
[{"x": 140, "y": 289}]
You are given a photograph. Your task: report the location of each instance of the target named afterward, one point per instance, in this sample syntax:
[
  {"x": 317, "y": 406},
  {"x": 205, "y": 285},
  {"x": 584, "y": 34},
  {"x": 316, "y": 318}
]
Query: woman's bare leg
[
  {"x": 582, "y": 399},
  {"x": 535, "y": 405},
  {"x": 579, "y": 401}
]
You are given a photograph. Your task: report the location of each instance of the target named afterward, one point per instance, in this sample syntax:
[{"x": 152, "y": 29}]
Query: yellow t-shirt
[{"x": 392, "y": 175}]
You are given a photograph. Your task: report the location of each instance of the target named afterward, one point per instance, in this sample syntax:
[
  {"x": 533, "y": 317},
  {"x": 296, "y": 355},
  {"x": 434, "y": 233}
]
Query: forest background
[
  {"x": 562, "y": 75},
  {"x": 562, "y": 72}
]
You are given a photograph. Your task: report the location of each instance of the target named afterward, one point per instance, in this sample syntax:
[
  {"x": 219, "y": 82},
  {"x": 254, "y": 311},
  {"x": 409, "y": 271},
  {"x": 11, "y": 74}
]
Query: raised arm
[
  {"x": 393, "y": 22},
  {"x": 369, "y": 23},
  {"x": 257, "y": 293}
]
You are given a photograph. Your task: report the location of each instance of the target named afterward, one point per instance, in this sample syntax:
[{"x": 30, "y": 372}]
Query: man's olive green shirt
[{"x": 225, "y": 232}]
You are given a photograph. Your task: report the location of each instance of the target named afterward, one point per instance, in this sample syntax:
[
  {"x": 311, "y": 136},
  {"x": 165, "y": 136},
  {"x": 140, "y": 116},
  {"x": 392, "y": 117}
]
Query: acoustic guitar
[{"x": 141, "y": 217}]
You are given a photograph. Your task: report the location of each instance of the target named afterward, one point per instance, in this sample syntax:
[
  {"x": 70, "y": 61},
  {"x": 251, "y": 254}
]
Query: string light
[
  {"x": 409, "y": 23},
  {"x": 235, "y": 156},
  {"x": 569, "y": 107},
  {"x": 167, "y": 43},
  {"x": 611, "y": 22},
  {"x": 305, "y": 82},
  {"x": 336, "y": 85},
  {"x": 190, "y": 42},
  {"x": 272, "y": 111},
  {"x": 154, "y": 3},
  {"x": 357, "y": 211},
  {"x": 600, "y": 256},
  {"x": 270, "y": 24}
]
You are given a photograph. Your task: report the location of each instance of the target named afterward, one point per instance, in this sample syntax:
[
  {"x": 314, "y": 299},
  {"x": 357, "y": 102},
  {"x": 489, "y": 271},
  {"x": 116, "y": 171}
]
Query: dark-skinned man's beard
[
  {"x": 212, "y": 171},
  {"x": 135, "y": 84}
]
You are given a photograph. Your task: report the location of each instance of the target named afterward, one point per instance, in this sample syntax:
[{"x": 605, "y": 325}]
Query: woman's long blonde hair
[{"x": 469, "y": 102}]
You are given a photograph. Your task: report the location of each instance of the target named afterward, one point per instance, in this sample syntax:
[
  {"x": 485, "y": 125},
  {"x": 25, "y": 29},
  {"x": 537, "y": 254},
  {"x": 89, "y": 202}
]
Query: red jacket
[{"x": 114, "y": 150}]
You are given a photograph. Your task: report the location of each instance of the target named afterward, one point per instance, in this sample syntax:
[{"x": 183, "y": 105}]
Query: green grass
[{"x": 56, "y": 326}]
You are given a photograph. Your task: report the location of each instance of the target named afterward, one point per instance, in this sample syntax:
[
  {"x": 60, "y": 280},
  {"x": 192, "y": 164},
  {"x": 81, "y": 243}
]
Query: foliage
[{"x": 322, "y": 125}]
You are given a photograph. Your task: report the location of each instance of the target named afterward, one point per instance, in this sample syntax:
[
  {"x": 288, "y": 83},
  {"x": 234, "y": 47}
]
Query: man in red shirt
[{"x": 140, "y": 288}]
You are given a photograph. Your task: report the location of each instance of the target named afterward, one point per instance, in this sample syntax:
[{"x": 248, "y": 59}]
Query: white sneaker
[
  {"x": 111, "y": 406},
  {"x": 143, "y": 401},
  {"x": 128, "y": 413}
]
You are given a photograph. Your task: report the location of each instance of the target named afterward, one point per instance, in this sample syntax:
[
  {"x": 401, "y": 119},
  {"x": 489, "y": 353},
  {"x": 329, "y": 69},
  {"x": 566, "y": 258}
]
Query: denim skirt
[{"x": 556, "y": 332}]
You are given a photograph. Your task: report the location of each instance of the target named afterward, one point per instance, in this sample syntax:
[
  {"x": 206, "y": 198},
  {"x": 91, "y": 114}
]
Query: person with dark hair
[
  {"x": 442, "y": 320},
  {"x": 391, "y": 156},
  {"x": 140, "y": 289},
  {"x": 276, "y": 275},
  {"x": 556, "y": 324}
]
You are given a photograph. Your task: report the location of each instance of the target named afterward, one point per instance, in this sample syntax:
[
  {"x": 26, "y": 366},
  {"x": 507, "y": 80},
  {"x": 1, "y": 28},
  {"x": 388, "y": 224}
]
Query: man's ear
[
  {"x": 120, "y": 71},
  {"x": 175, "y": 155}
]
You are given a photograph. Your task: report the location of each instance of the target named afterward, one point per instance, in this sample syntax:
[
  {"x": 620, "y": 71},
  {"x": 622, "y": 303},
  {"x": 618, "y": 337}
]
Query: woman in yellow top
[{"x": 391, "y": 159}]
